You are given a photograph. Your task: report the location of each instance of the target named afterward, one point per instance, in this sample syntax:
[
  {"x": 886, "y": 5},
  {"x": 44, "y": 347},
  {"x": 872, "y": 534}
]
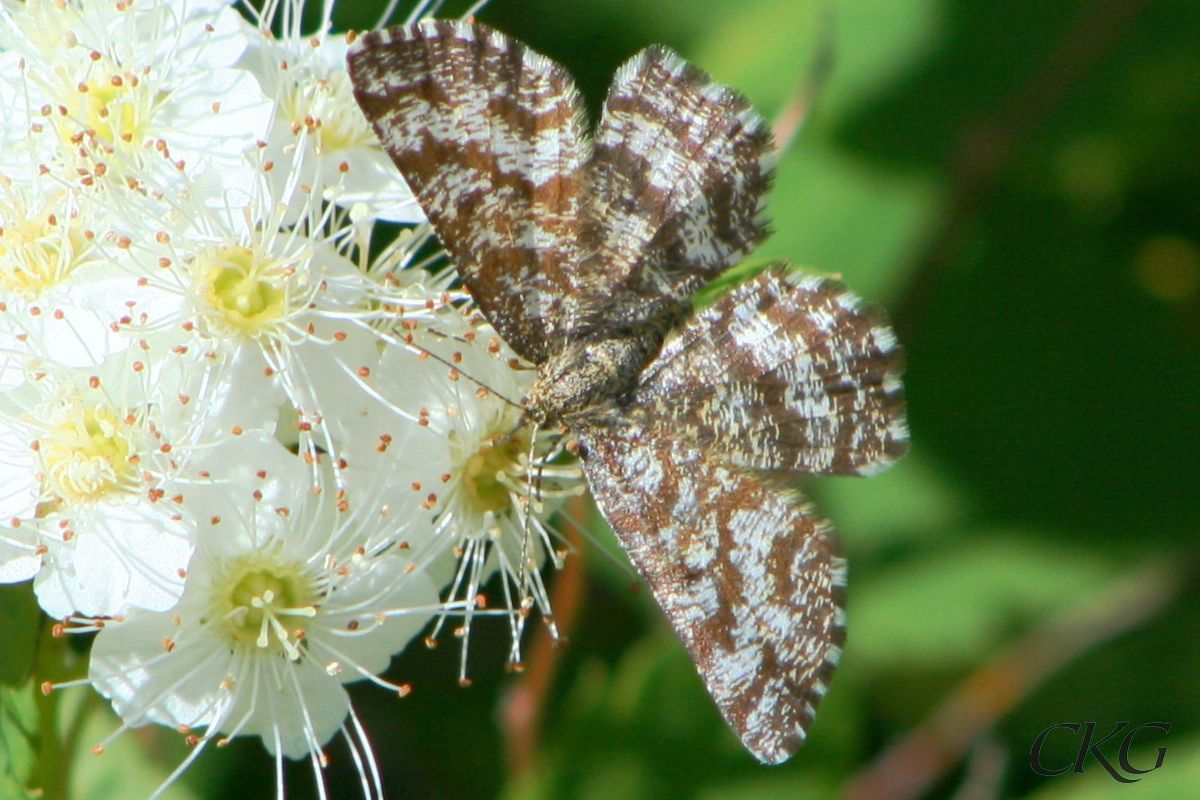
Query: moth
[{"x": 583, "y": 250}]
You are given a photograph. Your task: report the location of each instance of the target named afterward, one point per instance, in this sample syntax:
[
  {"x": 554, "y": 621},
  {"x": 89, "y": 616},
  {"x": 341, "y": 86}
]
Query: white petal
[
  {"x": 387, "y": 587},
  {"x": 18, "y": 561},
  {"x": 372, "y": 179},
  {"x": 147, "y": 682},
  {"x": 134, "y": 556},
  {"x": 307, "y": 698}
]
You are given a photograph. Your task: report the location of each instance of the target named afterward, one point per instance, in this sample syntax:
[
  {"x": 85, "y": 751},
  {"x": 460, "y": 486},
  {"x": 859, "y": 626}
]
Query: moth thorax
[{"x": 588, "y": 373}]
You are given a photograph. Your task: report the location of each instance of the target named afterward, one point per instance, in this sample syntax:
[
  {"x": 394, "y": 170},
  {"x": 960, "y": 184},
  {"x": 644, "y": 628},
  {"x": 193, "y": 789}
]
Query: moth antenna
[
  {"x": 515, "y": 429},
  {"x": 427, "y": 352},
  {"x": 532, "y": 488}
]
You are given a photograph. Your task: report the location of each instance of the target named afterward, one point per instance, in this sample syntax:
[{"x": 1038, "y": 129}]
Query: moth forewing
[{"x": 584, "y": 255}]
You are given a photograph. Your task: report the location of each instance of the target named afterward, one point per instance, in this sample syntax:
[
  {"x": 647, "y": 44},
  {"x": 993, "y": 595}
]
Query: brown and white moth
[{"x": 583, "y": 251}]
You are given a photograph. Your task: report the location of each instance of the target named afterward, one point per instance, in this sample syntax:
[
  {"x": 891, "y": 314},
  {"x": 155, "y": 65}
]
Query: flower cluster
[{"x": 249, "y": 441}]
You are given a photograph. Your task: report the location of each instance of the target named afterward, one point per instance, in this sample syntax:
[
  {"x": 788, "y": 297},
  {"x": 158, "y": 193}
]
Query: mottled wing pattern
[
  {"x": 748, "y": 576},
  {"x": 677, "y": 186},
  {"x": 490, "y": 136},
  {"x": 784, "y": 372},
  {"x": 558, "y": 239}
]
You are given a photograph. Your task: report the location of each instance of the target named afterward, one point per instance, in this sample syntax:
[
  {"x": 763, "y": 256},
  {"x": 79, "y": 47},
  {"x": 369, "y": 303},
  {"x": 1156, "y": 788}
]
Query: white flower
[
  {"x": 85, "y": 463},
  {"x": 67, "y": 290},
  {"x": 286, "y": 295},
  {"x": 134, "y": 93},
  {"x": 291, "y": 594},
  {"x": 464, "y": 386},
  {"x": 244, "y": 439},
  {"x": 320, "y": 130}
]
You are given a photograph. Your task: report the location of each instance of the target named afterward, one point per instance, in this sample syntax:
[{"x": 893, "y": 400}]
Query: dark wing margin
[
  {"x": 677, "y": 184},
  {"x": 490, "y": 136},
  {"x": 749, "y": 577},
  {"x": 785, "y": 372}
]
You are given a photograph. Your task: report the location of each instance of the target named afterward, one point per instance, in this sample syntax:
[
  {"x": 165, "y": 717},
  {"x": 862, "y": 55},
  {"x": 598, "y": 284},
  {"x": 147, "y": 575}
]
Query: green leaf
[
  {"x": 791, "y": 785},
  {"x": 834, "y": 213},
  {"x": 766, "y": 48},
  {"x": 1178, "y": 777},
  {"x": 22, "y": 619},
  {"x": 18, "y": 730},
  {"x": 618, "y": 726},
  {"x": 622, "y": 775},
  {"x": 913, "y": 502},
  {"x": 133, "y": 765},
  {"x": 947, "y": 608}
]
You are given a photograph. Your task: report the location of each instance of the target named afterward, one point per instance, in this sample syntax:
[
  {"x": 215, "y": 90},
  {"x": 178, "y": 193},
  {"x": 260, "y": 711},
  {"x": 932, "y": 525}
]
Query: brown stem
[
  {"x": 924, "y": 754},
  {"x": 525, "y": 706},
  {"x": 796, "y": 112}
]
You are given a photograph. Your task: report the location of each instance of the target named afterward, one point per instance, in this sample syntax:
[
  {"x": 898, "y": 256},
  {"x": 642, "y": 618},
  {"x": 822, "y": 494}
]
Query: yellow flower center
[
  {"x": 244, "y": 289},
  {"x": 267, "y": 605},
  {"x": 36, "y": 254},
  {"x": 327, "y": 109},
  {"x": 492, "y": 470},
  {"x": 86, "y": 454},
  {"x": 116, "y": 109}
]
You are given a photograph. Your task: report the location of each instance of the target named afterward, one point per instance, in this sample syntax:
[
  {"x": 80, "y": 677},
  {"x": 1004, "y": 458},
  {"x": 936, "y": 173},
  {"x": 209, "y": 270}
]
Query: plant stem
[
  {"x": 525, "y": 704},
  {"x": 50, "y": 776},
  {"x": 910, "y": 766}
]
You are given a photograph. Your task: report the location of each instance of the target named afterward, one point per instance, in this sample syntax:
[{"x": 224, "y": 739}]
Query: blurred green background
[{"x": 1018, "y": 183}]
